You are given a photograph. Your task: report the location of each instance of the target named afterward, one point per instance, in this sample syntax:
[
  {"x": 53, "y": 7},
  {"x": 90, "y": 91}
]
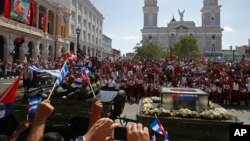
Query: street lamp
[
  {"x": 233, "y": 50},
  {"x": 78, "y": 30},
  {"x": 55, "y": 49},
  {"x": 213, "y": 50}
]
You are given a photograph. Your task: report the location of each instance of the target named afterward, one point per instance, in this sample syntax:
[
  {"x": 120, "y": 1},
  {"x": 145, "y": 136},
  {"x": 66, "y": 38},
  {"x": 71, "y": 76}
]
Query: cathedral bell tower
[
  {"x": 212, "y": 26},
  {"x": 150, "y": 11},
  {"x": 211, "y": 13}
]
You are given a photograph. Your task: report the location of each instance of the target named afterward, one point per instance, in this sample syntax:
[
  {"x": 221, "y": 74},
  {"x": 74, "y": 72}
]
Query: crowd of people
[
  {"x": 227, "y": 83},
  {"x": 10, "y": 70}
]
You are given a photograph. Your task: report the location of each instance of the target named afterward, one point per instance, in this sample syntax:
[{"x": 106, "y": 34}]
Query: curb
[{"x": 2, "y": 78}]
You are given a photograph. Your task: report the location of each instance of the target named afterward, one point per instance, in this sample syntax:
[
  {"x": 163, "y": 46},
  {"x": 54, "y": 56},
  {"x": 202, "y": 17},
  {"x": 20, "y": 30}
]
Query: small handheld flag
[
  {"x": 5, "y": 110},
  {"x": 55, "y": 73},
  {"x": 33, "y": 104},
  {"x": 87, "y": 79},
  {"x": 166, "y": 136},
  {"x": 63, "y": 73},
  {"x": 88, "y": 72},
  {"x": 153, "y": 138},
  {"x": 85, "y": 76},
  {"x": 157, "y": 127}
]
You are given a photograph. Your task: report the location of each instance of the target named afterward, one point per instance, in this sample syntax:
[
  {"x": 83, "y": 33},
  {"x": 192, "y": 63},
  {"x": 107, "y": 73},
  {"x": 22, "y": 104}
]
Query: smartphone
[{"x": 120, "y": 133}]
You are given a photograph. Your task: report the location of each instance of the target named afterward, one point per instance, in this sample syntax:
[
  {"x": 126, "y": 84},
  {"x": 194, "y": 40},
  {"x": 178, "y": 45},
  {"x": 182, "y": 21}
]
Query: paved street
[
  {"x": 130, "y": 109},
  {"x": 5, "y": 83}
]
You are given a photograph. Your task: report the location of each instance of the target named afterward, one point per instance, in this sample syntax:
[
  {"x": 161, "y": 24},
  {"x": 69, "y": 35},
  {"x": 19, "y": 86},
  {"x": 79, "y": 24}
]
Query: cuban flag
[
  {"x": 78, "y": 83},
  {"x": 157, "y": 127},
  {"x": 85, "y": 76},
  {"x": 166, "y": 136},
  {"x": 5, "y": 110},
  {"x": 33, "y": 104},
  {"x": 63, "y": 73},
  {"x": 153, "y": 138},
  {"x": 88, "y": 72},
  {"x": 55, "y": 73},
  {"x": 8, "y": 98}
]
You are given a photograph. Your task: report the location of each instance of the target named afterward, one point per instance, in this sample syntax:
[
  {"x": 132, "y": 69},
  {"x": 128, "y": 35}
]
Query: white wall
[{"x": 249, "y": 42}]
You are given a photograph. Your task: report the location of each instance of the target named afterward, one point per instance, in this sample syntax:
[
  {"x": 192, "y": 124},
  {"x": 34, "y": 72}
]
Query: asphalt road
[{"x": 130, "y": 109}]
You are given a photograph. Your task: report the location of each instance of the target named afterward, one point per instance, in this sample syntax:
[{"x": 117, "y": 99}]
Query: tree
[
  {"x": 186, "y": 47},
  {"x": 149, "y": 50}
]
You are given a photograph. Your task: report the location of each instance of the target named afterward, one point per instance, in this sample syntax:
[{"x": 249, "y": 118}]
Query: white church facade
[{"x": 209, "y": 35}]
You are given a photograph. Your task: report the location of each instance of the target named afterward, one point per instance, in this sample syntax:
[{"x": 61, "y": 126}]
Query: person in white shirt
[
  {"x": 219, "y": 93},
  {"x": 235, "y": 92},
  {"x": 111, "y": 84}
]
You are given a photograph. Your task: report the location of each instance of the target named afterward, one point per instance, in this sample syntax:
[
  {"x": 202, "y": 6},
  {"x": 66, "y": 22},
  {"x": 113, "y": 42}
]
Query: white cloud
[
  {"x": 228, "y": 29},
  {"x": 225, "y": 45},
  {"x": 111, "y": 35},
  {"x": 129, "y": 38}
]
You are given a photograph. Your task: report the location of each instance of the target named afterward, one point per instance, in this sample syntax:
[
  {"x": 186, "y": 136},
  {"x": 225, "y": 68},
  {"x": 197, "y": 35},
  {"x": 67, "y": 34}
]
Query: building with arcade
[{"x": 33, "y": 30}]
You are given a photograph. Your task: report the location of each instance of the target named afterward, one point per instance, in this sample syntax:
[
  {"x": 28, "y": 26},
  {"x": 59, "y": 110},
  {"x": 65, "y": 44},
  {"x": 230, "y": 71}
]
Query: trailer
[{"x": 189, "y": 126}]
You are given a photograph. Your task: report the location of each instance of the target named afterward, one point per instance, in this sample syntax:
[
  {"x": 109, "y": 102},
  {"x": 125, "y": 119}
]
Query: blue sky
[{"x": 124, "y": 19}]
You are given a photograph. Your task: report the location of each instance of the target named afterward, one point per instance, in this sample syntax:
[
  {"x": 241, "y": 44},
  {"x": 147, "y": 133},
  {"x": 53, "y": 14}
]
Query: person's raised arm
[
  {"x": 96, "y": 109},
  {"x": 42, "y": 113},
  {"x": 21, "y": 127}
]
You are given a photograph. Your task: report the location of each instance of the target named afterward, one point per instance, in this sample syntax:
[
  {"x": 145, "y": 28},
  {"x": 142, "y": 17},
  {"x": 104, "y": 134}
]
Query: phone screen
[{"x": 120, "y": 133}]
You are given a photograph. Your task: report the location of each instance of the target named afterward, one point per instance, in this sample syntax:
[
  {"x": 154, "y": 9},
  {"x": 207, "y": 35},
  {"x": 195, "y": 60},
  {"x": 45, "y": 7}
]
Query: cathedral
[{"x": 209, "y": 35}]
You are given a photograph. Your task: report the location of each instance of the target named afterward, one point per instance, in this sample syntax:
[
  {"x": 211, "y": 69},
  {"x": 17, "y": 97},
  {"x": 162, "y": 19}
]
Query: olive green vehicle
[
  {"x": 72, "y": 106},
  {"x": 198, "y": 124}
]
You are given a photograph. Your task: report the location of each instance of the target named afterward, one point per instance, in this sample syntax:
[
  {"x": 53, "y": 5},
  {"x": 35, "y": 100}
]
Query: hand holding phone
[{"x": 135, "y": 132}]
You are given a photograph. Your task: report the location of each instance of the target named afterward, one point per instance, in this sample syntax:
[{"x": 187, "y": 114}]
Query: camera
[{"x": 120, "y": 133}]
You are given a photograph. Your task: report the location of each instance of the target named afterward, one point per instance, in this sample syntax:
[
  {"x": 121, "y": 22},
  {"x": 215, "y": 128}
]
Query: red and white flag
[{"x": 85, "y": 76}]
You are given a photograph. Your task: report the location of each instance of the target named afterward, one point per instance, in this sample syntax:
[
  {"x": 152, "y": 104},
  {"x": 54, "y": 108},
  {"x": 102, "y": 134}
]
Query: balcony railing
[{"x": 8, "y": 23}]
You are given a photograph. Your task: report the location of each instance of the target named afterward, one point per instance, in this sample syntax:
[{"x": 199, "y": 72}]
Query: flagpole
[
  {"x": 27, "y": 116},
  {"x": 92, "y": 90},
  {"x": 51, "y": 91}
]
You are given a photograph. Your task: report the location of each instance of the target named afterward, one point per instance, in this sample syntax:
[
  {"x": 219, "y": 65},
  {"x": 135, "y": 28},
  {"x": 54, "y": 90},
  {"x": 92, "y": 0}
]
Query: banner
[
  {"x": 7, "y": 9},
  {"x": 42, "y": 21},
  {"x": 20, "y": 11},
  {"x": 33, "y": 14}
]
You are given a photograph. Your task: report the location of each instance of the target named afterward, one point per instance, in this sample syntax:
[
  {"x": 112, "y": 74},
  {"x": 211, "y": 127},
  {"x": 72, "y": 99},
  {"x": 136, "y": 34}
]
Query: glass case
[{"x": 177, "y": 98}]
